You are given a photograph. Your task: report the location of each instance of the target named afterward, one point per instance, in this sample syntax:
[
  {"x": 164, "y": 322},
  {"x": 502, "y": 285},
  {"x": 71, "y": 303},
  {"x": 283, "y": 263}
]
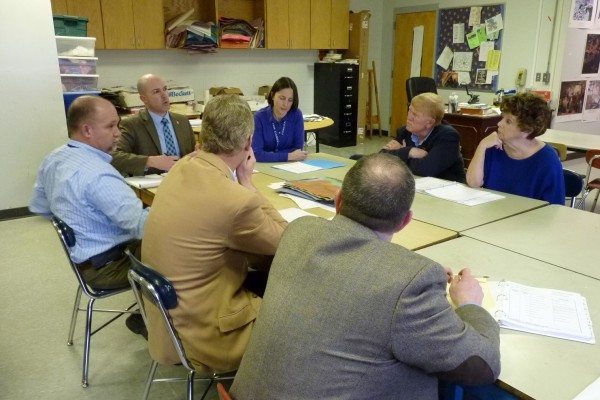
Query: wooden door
[
  {"x": 340, "y": 21},
  {"x": 117, "y": 16},
  {"x": 320, "y": 24},
  {"x": 91, "y": 10},
  {"x": 299, "y": 23},
  {"x": 277, "y": 24},
  {"x": 403, "y": 40},
  {"x": 149, "y": 24},
  {"x": 59, "y": 7}
]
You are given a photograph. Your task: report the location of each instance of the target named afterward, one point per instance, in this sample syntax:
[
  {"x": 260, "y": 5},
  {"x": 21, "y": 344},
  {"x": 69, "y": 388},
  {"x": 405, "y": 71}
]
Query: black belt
[{"x": 100, "y": 260}]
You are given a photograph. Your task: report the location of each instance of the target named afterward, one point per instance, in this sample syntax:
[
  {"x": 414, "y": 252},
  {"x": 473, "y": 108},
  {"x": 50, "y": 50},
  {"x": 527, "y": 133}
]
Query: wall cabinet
[
  {"x": 287, "y": 23},
  {"x": 329, "y": 22},
  {"x": 129, "y": 24},
  {"x": 83, "y": 8}
]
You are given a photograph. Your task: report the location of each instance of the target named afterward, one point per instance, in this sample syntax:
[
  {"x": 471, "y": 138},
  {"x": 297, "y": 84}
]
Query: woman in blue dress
[
  {"x": 513, "y": 160},
  {"x": 279, "y": 127}
]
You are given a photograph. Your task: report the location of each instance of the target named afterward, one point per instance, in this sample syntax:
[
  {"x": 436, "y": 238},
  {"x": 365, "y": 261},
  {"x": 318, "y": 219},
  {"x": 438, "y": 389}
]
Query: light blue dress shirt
[
  {"x": 77, "y": 184},
  {"x": 159, "y": 129}
]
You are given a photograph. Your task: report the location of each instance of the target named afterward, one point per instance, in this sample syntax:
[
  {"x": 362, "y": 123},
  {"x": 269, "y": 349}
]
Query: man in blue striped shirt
[{"x": 77, "y": 184}]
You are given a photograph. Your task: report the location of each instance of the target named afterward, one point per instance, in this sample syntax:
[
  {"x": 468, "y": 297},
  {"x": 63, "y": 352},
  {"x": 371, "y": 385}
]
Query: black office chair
[
  {"x": 150, "y": 286},
  {"x": 67, "y": 239},
  {"x": 573, "y": 185},
  {"x": 419, "y": 84}
]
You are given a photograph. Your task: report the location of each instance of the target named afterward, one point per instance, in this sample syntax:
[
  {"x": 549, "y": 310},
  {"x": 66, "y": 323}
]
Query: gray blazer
[
  {"x": 349, "y": 316},
  {"x": 139, "y": 140}
]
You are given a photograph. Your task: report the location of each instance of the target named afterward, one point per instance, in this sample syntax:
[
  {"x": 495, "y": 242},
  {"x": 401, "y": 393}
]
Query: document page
[
  {"x": 146, "y": 181},
  {"x": 297, "y": 167},
  {"x": 543, "y": 311},
  {"x": 462, "y": 194}
]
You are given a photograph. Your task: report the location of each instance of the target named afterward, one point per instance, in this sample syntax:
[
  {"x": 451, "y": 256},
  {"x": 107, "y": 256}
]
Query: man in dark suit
[
  {"x": 349, "y": 315},
  {"x": 154, "y": 139},
  {"x": 425, "y": 144}
]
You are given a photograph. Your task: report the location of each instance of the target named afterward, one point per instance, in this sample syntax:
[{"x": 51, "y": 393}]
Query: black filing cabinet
[{"x": 336, "y": 96}]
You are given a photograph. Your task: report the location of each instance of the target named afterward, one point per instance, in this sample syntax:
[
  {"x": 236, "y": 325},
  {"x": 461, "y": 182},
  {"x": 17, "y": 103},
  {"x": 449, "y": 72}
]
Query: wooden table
[
  {"x": 335, "y": 173},
  {"x": 458, "y": 217},
  {"x": 471, "y": 129},
  {"x": 314, "y": 126},
  {"x": 538, "y": 366},
  {"x": 558, "y": 235},
  {"x": 573, "y": 140},
  {"x": 415, "y": 236}
]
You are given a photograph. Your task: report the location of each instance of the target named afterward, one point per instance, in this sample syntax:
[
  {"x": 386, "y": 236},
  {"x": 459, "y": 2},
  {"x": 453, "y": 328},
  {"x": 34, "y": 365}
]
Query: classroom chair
[
  {"x": 592, "y": 157},
  {"x": 561, "y": 150},
  {"x": 151, "y": 287},
  {"x": 573, "y": 185},
  {"x": 67, "y": 239},
  {"x": 419, "y": 84}
]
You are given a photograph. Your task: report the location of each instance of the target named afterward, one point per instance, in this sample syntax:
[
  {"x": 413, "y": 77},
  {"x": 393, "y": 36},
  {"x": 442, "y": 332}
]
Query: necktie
[{"x": 169, "y": 143}]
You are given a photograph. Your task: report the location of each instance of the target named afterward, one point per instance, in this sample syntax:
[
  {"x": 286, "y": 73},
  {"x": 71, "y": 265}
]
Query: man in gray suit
[
  {"x": 349, "y": 315},
  {"x": 154, "y": 139}
]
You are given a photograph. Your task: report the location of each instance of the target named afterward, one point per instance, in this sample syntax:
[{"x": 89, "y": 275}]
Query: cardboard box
[
  {"x": 358, "y": 47},
  {"x": 215, "y": 91},
  {"x": 264, "y": 90}
]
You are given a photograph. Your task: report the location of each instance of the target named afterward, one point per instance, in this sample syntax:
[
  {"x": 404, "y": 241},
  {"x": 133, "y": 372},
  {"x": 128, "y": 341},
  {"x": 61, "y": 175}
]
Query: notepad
[
  {"x": 548, "y": 312},
  {"x": 297, "y": 167},
  {"x": 146, "y": 181},
  {"x": 454, "y": 191}
]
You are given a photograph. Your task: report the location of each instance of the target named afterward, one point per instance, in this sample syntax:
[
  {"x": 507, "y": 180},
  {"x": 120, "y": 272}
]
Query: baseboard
[{"x": 13, "y": 213}]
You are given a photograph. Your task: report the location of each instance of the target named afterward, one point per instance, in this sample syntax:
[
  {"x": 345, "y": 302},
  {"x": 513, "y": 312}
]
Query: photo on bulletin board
[{"x": 469, "y": 47}]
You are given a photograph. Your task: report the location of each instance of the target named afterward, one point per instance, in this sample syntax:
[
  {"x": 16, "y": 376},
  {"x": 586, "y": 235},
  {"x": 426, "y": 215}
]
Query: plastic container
[
  {"x": 79, "y": 83},
  {"x": 453, "y": 103},
  {"x": 71, "y": 46},
  {"x": 66, "y": 25},
  {"x": 77, "y": 65},
  {"x": 69, "y": 97}
]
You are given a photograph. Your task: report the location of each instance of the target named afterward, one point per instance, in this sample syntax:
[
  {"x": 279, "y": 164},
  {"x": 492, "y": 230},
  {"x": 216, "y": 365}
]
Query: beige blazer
[
  {"x": 201, "y": 231},
  {"x": 139, "y": 140}
]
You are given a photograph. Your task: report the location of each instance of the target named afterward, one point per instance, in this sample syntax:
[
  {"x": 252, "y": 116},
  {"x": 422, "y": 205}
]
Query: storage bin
[
  {"x": 67, "y": 25},
  {"x": 79, "y": 83},
  {"x": 69, "y": 97},
  {"x": 77, "y": 65},
  {"x": 71, "y": 46}
]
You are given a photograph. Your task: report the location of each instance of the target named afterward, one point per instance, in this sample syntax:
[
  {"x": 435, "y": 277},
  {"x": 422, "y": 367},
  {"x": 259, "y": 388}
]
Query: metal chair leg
[
  {"x": 595, "y": 201},
  {"x": 190, "y": 385},
  {"x": 149, "y": 380},
  {"x": 74, "y": 316},
  {"x": 210, "y": 382},
  {"x": 86, "y": 345}
]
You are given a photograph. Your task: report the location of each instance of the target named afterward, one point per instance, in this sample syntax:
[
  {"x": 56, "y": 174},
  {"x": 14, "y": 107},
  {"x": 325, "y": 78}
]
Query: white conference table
[
  {"x": 539, "y": 366},
  {"x": 336, "y": 174},
  {"x": 459, "y": 217},
  {"x": 573, "y": 140},
  {"x": 562, "y": 236}
]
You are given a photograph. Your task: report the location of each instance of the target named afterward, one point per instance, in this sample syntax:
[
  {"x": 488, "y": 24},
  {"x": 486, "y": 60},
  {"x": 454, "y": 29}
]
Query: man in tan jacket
[{"x": 207, "y": 226}]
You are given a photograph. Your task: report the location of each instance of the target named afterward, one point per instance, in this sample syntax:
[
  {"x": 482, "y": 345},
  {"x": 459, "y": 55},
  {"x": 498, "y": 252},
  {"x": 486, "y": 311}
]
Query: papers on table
[
  {"x": 146, "y": 181},
  {"x": 592, "y": 392},
  {"x": 547, "y": 312},
  {"x": 306, "y": 204},
  {"x": 312, "y": 117},
  {"x": 454, "y": 191},
  {"x": 290, "y": 214},
  {"x": 300, "y": 167}
]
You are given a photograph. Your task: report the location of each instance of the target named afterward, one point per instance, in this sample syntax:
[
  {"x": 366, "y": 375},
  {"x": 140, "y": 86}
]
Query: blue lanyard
[{"x": 278, "y": 134}]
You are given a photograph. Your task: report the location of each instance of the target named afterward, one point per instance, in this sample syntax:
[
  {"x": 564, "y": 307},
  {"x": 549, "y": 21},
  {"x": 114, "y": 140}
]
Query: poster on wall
[
  {"x": 570, "y": 103},
  {"x": 591, "y": 109},
  {"x": 582, "y": 13},
  {"x": 591, "y": 55}
]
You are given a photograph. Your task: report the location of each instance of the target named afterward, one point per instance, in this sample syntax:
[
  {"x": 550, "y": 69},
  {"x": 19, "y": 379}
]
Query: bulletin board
[{"x": 446, "y": 20}]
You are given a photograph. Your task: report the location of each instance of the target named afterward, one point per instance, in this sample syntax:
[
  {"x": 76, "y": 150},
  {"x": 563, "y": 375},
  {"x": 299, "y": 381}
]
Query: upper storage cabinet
[
  {"x": 83, "y": 8},
  {"x": 287, "y": 23},
  {"x": 133, "y": 24},
  {"x": 329, "y": 23},
  {"x": 241, "y": 9}
]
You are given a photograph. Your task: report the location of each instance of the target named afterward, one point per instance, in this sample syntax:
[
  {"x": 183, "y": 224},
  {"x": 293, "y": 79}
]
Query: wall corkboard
[{"x": 446, "y": 20}]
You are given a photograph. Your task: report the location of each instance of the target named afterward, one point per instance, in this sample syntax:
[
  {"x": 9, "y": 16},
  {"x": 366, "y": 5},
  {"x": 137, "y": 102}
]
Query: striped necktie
[{"x": 169, "y": 143}]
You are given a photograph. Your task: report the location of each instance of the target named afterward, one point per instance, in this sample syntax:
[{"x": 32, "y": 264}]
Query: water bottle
[{"x": 453, "y": 103}]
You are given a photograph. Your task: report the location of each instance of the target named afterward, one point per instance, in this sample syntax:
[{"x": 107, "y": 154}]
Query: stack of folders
[
  {"x": 319, "y": 190},
  {"x": 542, "y": 311}
]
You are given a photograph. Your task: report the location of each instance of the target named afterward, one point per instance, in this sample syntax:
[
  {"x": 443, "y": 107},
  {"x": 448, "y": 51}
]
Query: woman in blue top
[
  {"x": 279, "y": 127},
  {"x": 512, "y": 160}
]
